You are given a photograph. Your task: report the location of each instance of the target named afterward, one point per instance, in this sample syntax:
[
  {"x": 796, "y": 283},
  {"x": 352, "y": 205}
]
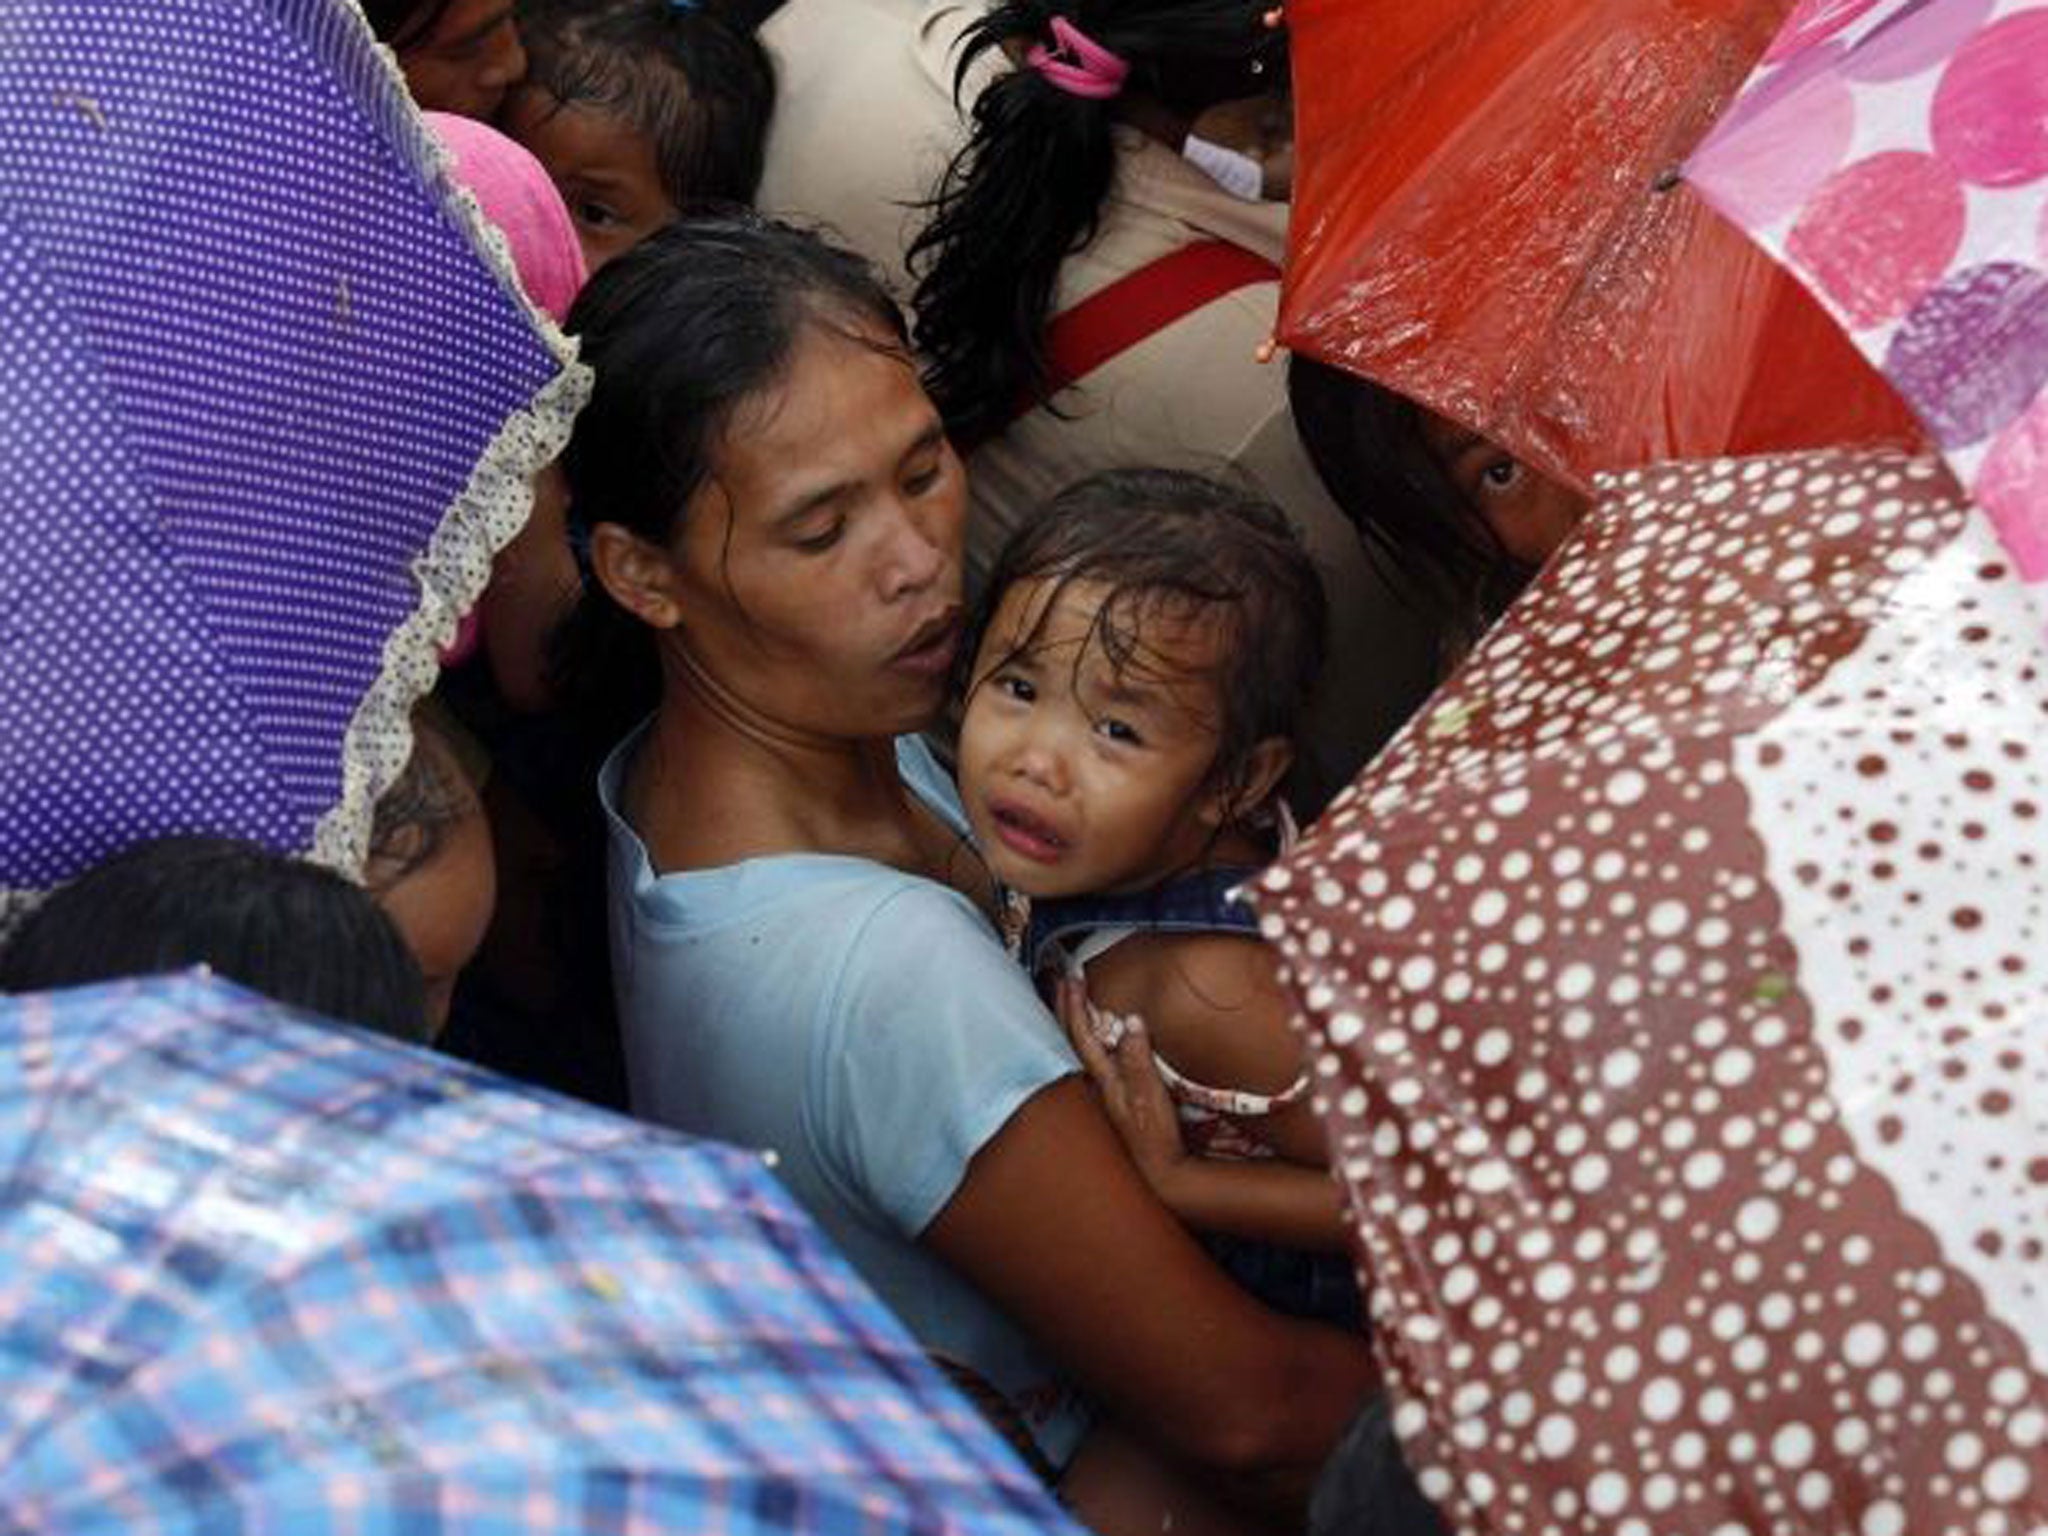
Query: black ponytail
[{"x": 1026, "y": 190}]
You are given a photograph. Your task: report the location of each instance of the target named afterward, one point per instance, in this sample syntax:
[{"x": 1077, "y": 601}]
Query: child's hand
[{"x": 1118, "y": 1056}]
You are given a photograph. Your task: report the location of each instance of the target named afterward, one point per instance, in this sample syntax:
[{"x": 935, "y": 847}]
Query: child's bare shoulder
[{"x": 1214, "y": 1004}]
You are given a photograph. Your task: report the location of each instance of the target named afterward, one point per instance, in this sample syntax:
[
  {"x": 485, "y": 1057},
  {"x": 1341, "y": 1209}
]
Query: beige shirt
[{"x": 865, "y": 122}]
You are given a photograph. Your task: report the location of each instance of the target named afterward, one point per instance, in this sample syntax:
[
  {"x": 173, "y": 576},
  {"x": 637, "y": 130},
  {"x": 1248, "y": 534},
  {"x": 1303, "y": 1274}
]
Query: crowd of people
[{"x": 858, "y": 753}]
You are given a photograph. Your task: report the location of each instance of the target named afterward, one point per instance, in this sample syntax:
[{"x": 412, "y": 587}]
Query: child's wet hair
[
  {"x": 1166, "y": 542},
  {"x": 699, "y": 86}
]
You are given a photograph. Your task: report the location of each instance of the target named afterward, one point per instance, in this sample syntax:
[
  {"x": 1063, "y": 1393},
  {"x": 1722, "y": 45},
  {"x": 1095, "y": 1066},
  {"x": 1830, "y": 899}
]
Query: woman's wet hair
[
  {"x": 280, "y": 926},
  {"x": 1177, "y": 546},
  {"x": 1026, "y": 189},
  {"x": 1366, "y": 443},
  {"x": 699, "y": 86},
  {"x": 681, "y": 331}
]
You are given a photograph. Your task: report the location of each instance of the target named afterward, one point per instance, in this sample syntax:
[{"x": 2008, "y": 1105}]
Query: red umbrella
[
  {"x": 1488, "y": 218},
  {"x": 1677, "y": 985}
]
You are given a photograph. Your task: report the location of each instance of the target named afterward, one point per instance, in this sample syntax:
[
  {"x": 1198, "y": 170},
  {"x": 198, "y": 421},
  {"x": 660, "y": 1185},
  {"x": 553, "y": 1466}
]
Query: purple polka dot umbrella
[
  {"x": 1677, "y": 986},
  {"x": 1894, "y": 155},
  {"x": 272, "y": 404}
]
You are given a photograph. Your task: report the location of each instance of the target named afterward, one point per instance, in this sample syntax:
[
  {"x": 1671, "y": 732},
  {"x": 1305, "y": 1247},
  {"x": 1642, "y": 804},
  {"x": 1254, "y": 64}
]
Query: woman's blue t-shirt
[{"x": 864, "y": 1025}]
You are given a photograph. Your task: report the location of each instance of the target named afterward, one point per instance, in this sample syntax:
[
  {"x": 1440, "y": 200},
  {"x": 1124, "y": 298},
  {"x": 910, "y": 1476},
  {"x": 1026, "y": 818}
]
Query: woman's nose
[{"x": 917, "y": 558}]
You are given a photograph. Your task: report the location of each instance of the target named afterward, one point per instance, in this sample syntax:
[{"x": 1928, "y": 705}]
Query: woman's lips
[
  {"x": 1026, "y": 835},
  {"x": 930, "y": 652}
]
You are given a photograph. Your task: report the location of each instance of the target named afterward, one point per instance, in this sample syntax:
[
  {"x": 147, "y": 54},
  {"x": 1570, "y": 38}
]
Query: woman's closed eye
[
  {"x": 928, "y": 470},
  {"x": 822, "y": 539}
]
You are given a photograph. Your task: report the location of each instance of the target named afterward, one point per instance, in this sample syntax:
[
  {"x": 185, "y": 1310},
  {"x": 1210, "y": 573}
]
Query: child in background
[
  {"x": 457, "y": 55},
  {"x": 1465, "y": 522},
  {"x": 640, "y": 109},
  {"x": 1151, "y": 641}
]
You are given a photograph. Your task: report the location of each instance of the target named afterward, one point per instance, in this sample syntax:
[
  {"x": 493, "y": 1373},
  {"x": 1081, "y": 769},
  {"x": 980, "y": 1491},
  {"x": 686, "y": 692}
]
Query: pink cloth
[{"x": 515, "y": 194}]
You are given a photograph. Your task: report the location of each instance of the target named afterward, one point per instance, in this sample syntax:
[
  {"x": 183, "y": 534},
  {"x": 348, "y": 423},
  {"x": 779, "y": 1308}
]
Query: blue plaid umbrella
[
  {"x": 268, "y": 405},
  {"x": 259, "y": 1274}
]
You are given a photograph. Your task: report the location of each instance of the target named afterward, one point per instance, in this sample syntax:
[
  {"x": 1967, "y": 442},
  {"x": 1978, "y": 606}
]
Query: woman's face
[
  {"x": 818, "y": 573},
  {"x": 1530, "y": 513},
  {"x": 467, "y": 61}
]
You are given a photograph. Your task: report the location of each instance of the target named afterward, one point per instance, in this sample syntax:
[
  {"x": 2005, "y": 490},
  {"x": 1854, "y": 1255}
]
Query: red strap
[{"x": 1137, "y": 305}]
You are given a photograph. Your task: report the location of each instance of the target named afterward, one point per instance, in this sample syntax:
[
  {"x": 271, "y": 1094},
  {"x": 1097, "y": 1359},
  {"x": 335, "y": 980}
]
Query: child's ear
[
  {"x": 1265, "y": 766},
  {"x": 640, "y": 576}
]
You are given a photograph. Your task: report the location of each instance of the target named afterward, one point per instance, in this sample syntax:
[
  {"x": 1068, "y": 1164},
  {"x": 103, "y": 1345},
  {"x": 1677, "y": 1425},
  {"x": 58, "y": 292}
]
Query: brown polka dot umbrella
[{"x": 1678, "y": 989}]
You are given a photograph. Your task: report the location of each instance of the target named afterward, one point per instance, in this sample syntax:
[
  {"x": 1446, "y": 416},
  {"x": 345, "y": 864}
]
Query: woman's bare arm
[{"x": 1054, "y": 1225}]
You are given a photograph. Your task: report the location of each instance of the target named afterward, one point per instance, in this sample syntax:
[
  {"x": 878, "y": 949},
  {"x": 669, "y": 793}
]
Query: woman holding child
[{"x": 802, "y": 930}]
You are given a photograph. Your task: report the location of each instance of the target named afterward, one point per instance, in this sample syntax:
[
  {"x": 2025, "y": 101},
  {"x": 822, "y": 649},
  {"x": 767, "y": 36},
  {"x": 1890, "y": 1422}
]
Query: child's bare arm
[
  {"x": 1219, "y": 1013},
  {"x": 1275, "y": 1202}
]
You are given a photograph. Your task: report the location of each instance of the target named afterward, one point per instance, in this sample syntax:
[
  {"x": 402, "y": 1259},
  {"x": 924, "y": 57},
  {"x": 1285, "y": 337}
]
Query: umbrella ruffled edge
[
  {"x": 488, "y": 513},
  {"x": 485, "y": 516}
]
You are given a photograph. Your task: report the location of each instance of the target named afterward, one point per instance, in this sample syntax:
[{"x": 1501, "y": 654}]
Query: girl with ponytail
[{"x": 1028, "y": 187}]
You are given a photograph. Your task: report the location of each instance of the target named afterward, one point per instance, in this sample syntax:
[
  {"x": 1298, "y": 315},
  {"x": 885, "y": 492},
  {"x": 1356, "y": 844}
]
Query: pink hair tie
[{"x": 1077, "y": 64}]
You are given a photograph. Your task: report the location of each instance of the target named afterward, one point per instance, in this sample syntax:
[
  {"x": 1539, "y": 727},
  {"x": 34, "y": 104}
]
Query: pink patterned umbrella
[
  {"x": 1677, "y": 986},
  {"x": 1894, "y": 155}
]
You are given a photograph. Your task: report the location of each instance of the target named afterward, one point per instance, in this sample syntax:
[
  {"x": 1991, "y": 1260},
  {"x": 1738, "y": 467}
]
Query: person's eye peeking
[
  {"x": 595, "y": 215},
  {"x": 1011, "y": 686},
  {"x": 1501, "y": 475},
  {"x": 1111, "y": 729}
]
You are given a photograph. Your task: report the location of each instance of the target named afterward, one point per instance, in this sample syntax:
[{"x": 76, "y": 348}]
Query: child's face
[
  {"x": 1528, "y": 512},
  {"x": 602, "y": 165},
  {"x": 1080, "y": 776}
]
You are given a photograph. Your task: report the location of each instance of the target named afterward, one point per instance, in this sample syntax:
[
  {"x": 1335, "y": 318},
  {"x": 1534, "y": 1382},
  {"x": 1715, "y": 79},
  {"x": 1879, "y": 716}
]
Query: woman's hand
[
  {"x": 1269, "y": 1200},
  {"x": 1118, "y": 1056}
]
